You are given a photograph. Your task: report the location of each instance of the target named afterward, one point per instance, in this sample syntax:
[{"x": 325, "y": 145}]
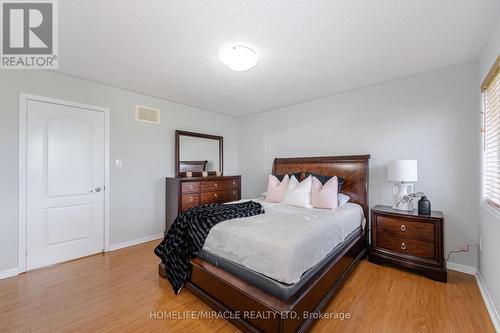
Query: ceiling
[{"x": 307, "y": 48}]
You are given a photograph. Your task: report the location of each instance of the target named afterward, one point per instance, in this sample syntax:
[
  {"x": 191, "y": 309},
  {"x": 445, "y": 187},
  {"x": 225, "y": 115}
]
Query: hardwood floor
[{"x": 120, "y": 291}]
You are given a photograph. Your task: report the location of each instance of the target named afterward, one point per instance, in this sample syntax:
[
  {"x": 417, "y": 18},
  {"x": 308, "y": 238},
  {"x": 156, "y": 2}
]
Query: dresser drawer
[
  {"x": 411, "y": 247},
  {"x": 190, "y": 187},
  {"x": 219, "y": 185},
  {"x": 405, "y": 228},
  {"x": 219, "y": 196},
  {"x": 189, "y": 201}
]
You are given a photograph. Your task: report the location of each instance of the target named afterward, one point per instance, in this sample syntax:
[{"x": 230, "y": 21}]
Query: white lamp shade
[{"x": 402, "y": 171}]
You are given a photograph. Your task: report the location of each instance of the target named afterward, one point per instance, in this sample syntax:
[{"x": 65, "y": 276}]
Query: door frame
[{"x": 22, "y": 185}]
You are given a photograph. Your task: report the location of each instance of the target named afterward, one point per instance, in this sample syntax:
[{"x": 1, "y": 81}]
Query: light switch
[{"x": 119, "y": 163}]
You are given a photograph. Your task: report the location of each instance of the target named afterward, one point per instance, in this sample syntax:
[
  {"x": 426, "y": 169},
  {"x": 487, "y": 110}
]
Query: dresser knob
[
  {"x": 190, "y": 199},
  {"x": 215, "y": 184},
  {"x": 234, "y": 183},
  {"x": 403, "y": 246},
  {"x": 215, "y": 195},
  {"x": 234, "y": 192},
  {"x": 190, "y": 186},
  {"x": 403, "y": 227}
]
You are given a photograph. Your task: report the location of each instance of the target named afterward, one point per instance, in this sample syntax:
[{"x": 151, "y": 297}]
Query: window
[{"x": 491, "y": 131}]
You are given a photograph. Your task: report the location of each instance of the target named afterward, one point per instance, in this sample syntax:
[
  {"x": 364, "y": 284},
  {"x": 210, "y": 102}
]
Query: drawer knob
[
  {"x": 403, "y": 227},
  {"x": 215, "y": 195},
  {"x": 215, "y": 184},
  {"x": 190, "y": 199},
  {"x": 234, "y": 183},
  {"x": 190, "y": 186},
  {"x": 234, "y": 192},
  {"x": 403, "y": 246}
]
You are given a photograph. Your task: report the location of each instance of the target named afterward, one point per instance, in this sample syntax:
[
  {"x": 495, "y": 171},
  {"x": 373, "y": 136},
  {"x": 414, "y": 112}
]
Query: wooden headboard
[{"x": 354, "y": 169}]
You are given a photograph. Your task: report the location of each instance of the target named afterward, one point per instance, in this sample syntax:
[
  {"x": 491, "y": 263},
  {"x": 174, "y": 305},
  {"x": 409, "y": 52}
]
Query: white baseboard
[
  {"x": 8, "y": 273},
  {"x": 461, "y": 268},
  {"x": 488, "y": 302},
  {"x": 14, "y": 271},
  {"x": 133, "y": 242},
  {"x": 490, "y": 306}
]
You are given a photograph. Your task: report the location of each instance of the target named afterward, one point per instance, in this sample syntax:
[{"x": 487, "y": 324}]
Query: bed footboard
[{"x": 253, "y": 310}]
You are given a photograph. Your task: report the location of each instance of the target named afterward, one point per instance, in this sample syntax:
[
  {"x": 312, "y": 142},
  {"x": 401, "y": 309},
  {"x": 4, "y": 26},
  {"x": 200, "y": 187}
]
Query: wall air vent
[{"x": 147, "y": 114}]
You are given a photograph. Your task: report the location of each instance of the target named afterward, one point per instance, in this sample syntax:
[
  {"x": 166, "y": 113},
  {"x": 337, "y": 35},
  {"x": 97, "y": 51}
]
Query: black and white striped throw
[{"x": 185, "y": 238}]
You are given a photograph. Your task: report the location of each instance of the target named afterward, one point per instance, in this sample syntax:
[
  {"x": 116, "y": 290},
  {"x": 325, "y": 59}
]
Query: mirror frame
[{"x": 179, "y": 133}]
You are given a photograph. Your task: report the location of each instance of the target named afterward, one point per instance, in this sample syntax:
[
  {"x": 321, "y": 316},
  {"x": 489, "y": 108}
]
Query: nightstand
[{"x": 409, "y": 240}]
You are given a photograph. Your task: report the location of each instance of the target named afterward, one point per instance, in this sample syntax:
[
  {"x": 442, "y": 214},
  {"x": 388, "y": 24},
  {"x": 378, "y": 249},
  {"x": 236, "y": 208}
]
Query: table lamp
[{"x": 403, "y": 173}]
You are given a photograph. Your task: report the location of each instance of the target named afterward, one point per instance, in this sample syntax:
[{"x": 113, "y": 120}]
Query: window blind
[{"x": 491, "y": 131}]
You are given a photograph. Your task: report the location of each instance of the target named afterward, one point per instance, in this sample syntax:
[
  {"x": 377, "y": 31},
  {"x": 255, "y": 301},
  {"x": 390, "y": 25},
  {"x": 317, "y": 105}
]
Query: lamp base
[{"x": 398, "y": 192}]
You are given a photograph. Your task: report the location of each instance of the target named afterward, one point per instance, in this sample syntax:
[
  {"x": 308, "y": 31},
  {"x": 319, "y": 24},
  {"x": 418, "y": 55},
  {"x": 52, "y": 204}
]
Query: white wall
[
  {"x": 137, "y": 202},
  {"x": 430, "y": 117},
  {"x": 489, "y": 220}
]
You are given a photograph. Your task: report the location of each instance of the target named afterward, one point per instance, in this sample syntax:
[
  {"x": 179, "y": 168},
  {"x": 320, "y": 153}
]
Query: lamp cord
[{"x": 464, "y": 249}]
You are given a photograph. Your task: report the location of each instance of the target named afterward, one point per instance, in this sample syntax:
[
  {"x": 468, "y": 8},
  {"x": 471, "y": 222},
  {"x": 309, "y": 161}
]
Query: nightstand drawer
[
  {"x": 405, "y": 228},
  {"x": 411, "y": 247}
]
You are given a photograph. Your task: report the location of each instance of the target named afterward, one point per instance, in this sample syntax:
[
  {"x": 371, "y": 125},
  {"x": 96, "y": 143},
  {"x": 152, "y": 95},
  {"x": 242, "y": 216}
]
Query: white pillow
[
  {"x": 298, "y": 194},
  {"x": 343, "y": 199}
]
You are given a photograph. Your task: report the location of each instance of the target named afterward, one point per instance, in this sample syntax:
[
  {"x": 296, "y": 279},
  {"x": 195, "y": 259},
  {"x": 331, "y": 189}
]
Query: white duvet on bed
[{"x": 285, "y": 241}]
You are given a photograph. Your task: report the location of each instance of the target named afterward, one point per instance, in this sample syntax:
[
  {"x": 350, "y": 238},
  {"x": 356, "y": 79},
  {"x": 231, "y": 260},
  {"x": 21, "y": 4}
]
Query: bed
[{"x": 263, "y": 298}]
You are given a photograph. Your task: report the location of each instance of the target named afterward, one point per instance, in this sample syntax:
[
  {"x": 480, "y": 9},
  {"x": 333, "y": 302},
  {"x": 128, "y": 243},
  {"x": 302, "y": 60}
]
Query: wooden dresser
[
  {"x": 409, "y": 240},
  {"x": 184, "y": 193}
]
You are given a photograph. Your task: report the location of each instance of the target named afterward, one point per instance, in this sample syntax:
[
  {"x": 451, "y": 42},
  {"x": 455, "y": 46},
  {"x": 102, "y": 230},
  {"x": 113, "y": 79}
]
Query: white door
[{"x": 65, "y": 183}]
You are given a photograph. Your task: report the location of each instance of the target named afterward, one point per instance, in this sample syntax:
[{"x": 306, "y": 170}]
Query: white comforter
[{"x": 285, "y": 241}]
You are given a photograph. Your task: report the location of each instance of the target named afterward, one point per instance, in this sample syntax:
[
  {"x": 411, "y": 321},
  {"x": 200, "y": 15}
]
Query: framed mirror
[{"x": 198, "y": 152}]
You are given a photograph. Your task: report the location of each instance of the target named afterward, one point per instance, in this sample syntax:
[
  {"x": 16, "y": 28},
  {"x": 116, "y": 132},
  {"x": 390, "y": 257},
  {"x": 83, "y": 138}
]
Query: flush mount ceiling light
[{"x": 238, "y": 57}]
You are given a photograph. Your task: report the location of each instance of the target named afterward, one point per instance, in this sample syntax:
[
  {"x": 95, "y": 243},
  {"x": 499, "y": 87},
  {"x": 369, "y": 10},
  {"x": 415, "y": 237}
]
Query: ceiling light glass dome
[{"x": 238, "y": 57}]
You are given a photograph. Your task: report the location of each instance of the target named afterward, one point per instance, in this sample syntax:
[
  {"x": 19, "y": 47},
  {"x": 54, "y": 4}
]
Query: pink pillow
[
  {"x": 325, "y": 196},
  {"x": 275, "y": 189}
]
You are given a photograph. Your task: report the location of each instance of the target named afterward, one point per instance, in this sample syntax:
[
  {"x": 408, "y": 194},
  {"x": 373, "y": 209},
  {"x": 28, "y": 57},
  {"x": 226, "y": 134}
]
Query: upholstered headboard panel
[{"x": 354, "y": 169}]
